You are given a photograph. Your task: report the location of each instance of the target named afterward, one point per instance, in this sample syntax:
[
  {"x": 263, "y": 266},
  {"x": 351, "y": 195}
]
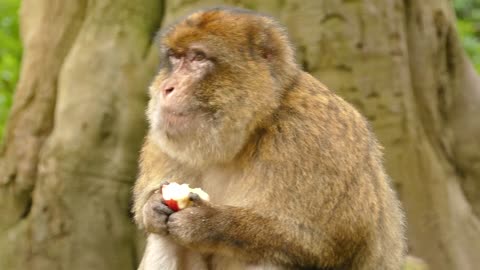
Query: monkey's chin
[
  {"x": 177, "y": 127},
  {"x": 200, "y": 143}
]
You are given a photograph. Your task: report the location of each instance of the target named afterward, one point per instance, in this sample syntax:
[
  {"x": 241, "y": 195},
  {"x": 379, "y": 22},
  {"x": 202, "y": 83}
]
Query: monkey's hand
[
  {"x": 155, "y": 214},
  {"x": 227, "y": 230},
  {"x": 191, "y": 226}
]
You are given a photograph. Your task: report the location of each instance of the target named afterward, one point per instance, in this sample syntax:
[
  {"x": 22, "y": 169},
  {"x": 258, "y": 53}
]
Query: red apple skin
[{"x": 172, "y": 204}]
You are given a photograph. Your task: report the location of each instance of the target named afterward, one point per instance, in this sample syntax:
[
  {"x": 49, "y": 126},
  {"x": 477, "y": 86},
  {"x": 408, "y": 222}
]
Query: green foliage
[
  {"x": 10, "y": 54},
  {"x": 468, "y": 23}
]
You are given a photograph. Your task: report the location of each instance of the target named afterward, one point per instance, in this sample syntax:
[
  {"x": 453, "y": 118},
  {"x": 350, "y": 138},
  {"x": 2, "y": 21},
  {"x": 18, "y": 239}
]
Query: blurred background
[
  {"x": 73, "y": 80},
  {"x": 10, "y": 56}
]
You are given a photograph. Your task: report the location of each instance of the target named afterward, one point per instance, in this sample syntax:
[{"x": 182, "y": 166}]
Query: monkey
[{"x": 294, "y": 172}]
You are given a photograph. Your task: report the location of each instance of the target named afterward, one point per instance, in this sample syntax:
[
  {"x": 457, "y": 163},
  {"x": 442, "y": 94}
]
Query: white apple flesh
[{"x": 176, "y": 196}]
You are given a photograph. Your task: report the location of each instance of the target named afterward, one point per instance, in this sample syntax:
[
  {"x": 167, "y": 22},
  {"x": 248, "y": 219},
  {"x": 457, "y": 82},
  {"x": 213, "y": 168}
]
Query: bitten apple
[{"x": 176, "y": 195}]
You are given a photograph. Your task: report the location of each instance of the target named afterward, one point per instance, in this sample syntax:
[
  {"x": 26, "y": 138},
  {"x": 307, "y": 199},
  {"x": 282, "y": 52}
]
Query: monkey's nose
[{"x": 168, "y": 90}]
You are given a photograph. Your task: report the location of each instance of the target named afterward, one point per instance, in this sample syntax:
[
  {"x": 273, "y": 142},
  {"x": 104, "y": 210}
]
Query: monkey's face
[
  {"x": 213, "y": 90},
  {"x": 177, "y": 111}
]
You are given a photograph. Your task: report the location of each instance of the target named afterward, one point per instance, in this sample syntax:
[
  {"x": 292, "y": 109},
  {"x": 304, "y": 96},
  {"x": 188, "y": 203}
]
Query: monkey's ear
[
  {"x": 271, "y": 41},
  {"x": 268, "y": 52},
  {"x": 264, "y": 42}
]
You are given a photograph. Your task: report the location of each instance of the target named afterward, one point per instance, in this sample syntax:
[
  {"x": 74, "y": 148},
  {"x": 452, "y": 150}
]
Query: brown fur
[{"x": 294, "y": 174}]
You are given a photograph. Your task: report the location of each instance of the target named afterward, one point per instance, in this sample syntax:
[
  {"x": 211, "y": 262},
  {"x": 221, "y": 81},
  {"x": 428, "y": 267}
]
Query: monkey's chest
[
  {"x": 224, "y": 186},
  {"x": 220, "y": 263}
]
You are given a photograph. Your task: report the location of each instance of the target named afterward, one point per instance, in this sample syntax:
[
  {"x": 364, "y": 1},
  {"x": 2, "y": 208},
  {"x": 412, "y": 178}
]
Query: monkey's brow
[
  {"x": 198, "y": 48},
  {"x": 169, "y": 51}
]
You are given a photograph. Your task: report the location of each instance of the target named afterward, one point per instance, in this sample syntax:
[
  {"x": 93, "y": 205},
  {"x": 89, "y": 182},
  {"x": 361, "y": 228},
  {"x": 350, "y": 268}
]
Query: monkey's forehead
[{"x": 232, "y": 26}]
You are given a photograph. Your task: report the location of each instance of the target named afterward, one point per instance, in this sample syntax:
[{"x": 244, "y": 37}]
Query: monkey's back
[{"x": 337, "y": 159}]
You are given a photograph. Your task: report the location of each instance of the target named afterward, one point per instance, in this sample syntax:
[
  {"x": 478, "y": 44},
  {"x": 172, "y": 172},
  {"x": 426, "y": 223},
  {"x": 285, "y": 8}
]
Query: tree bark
[
  {"x": 77, "y": 122},
  {"x": 70, "y": 152}
]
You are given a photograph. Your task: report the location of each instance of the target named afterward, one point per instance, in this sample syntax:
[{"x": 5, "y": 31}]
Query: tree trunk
[
  {"x": 70, "y": 152},
  {"x": 402, "y": 65},
  {"x": 77, "y": 122}
]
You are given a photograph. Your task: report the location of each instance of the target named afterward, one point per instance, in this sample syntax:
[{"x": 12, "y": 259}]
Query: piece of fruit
[{"x": 176, "y": 195}]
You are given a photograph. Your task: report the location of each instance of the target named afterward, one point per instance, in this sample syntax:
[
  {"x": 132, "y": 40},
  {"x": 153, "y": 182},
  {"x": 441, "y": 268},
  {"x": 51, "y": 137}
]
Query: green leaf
[{"x": 10, "y": 55}]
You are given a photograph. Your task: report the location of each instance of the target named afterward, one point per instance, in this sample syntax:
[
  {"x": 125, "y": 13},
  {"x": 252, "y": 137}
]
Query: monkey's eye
[
  {"x": 172, "y": 55},
  {"x": 199, "y": 56}
]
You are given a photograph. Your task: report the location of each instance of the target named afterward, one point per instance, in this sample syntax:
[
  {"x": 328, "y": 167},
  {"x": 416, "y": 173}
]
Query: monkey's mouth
[
  {"x": 175, "y": 122},
  {"x": 172, "y": 119}
]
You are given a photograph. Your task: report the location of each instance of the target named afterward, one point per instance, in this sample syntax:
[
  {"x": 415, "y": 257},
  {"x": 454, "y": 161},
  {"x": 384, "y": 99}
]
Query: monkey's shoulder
[
  {"x": 311, "y": 107},
  {"x": 314, "y": 122}
]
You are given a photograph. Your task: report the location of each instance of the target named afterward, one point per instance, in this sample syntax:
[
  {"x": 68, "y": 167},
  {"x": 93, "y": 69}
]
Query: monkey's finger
[
  {"x": 159, "y": 189},
  {"x": 163, "y": 209},
  {"x": 163, "y": 183},
  {"x": 195, "y": 198}
]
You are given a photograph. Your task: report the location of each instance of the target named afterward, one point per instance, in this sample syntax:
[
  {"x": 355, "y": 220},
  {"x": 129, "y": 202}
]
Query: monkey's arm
[
  {"x": 242, "y": 232},
  {"x": 144, "y": 188},
  {"x": 155, "y": 169}
]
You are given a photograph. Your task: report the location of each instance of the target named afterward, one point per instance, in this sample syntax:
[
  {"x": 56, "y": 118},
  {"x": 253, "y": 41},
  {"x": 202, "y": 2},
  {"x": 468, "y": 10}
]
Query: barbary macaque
[{"x": 293, "y": 172}]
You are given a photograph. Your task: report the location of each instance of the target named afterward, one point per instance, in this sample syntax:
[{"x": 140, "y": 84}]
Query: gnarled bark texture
[{"x": 70, "y": 152}]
